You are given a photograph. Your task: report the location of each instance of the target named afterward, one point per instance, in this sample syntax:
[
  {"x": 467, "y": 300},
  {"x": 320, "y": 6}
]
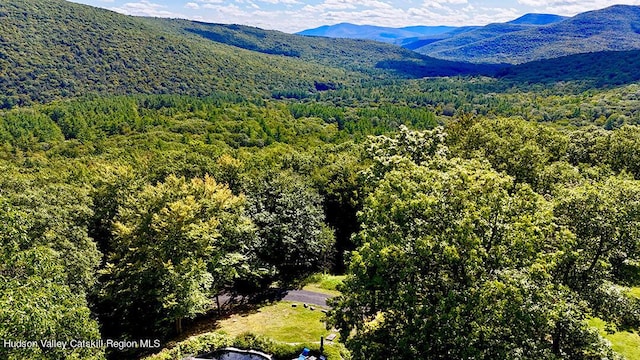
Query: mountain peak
[
  {"x": 537, "y": 19},
  {"x": 623, "y": 12},
  {"x": 611, "y": 29}
]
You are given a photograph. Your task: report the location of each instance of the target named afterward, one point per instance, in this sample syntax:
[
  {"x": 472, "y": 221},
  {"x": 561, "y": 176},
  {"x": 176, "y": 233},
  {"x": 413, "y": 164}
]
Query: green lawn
[
  {"x": 624, "y": 343},
  {"x": 280, "y": 322},
  {"x": 325, "y": 284}
]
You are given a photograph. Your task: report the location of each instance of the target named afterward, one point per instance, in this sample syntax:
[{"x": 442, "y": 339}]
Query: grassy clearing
[
  {"x": 325, "y": 284},
  {"x": 280, "y": 322},
  {"x": 624, "y": 343}
]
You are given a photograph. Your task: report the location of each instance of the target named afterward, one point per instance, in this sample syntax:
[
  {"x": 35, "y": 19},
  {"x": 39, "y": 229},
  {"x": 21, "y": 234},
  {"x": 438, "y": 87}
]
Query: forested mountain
[
  {"x": 528, "y": 38},
  {"x": 362, "y": 56},
  {"x": 466, "y": 39},
  {"x": 53, "y": 49},
  {"x": 411, "y": 36},
  {"x": 598, "y": 69},
  {"x": 611, "y": 29}
]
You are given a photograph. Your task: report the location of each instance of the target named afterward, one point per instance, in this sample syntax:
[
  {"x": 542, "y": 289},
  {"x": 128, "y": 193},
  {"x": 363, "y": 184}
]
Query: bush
[{"x": 210, "y": 342}]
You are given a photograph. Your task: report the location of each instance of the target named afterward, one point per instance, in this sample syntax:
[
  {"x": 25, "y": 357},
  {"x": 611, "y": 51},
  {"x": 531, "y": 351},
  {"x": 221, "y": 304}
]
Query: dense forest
[{"x": 474, "y": 216}]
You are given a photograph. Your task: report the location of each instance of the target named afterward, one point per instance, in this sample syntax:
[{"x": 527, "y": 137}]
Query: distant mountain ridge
[
  {"x": 376, "y": 33},
  {"x": 406, "y": 36},
  {"x": 528, "y": 38},
  {"x": 54, "y": 49},
  {"x": 616, "y": 28},
  {"x": 537, "y": 19},
  {"x": 351, "y": 54}
]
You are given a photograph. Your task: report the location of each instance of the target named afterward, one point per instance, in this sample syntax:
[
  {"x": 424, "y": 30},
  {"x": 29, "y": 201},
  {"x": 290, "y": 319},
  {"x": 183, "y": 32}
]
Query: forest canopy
[
  {"x": 147, "y": 208},
  {"x": 148, "y": 170}
]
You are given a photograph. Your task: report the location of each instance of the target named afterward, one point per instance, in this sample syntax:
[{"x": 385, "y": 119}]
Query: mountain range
[
  {"x": 413, "y": 37},
  {"x": 528, "y": 38},
  {"x": 53, "y": 49},
  {"x": 379, "y": 33}
]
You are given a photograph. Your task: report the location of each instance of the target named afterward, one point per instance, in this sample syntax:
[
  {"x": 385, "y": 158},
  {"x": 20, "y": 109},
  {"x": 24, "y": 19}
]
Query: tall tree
[
  {"x": 290, "y": 224},
  {"x": 36, "y": 301},
  {"x": 454, "y": 261},
  {"x": 170, "y": 240},
  {"x": 605, "y": 218}
]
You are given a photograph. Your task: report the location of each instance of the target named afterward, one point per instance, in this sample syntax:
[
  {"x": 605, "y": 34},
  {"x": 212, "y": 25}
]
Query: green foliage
[
  {"x": 474, "y": 263},
  {"x": 519, "y": 148},
  {"x": 290, "y": 222},
  {"x": 493, "y": 231},
  {"x": 27, "y": 129},
  {"x": 288, "y": 155},
  {"x": 36, "y": 302},
  {"x": 625, "y": 150},
  {"x": 595, "y": 69},
  {"x": 58, "y": 219},
  {"x": 604, "y": 218},
  {"x": 447, "y": 254},
  {"x": 170, "y": 242},
  {"x": 116, "y": 54},
  {"x": 210, "y": 342}
]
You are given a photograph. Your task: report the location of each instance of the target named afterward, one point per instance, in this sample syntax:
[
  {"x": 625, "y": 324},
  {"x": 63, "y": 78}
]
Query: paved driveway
[{"x": 307, "y": 297}]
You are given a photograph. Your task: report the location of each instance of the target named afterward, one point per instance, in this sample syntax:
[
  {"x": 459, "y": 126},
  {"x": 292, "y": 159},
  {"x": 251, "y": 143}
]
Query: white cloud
[
  {"x": 376, "y": 4},
  {"x": 572, "y": 7},
  {"x": 332, "y": 5},
  {"x": 231, "y": 12},
  {"x": 486, "y": 15},
  {"x": 451, "y": 1},
  {"x": 192, "y": 5},
  {"x": 275, "y": 2},
  {"x": 146, "y": 8}
]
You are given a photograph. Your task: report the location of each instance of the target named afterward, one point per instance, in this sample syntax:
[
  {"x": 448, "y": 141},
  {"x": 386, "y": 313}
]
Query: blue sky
[{"x": 296, "y": 15}]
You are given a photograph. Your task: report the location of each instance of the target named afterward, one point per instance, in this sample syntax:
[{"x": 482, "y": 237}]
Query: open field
[
  {"x": 325, "y": 284},
  {"x": 280, "y": 322}
]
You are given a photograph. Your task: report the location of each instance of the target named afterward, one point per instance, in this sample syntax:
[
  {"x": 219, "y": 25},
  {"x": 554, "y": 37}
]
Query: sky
[{"x": 297, "y": 15}]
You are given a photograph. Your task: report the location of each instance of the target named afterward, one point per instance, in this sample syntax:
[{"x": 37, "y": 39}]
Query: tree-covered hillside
[
  {"x": 53, "y": 49},
  {"x": 57, "y": 49},
  {"x": 598, "y": 69},
  {"x": 188, "y": 198},
  {"x": 360, "y": 55}
]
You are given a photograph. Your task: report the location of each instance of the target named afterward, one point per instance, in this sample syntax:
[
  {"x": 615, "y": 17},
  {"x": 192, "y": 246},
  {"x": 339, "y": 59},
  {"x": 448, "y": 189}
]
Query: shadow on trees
[{"x": 600, "y": 70}]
